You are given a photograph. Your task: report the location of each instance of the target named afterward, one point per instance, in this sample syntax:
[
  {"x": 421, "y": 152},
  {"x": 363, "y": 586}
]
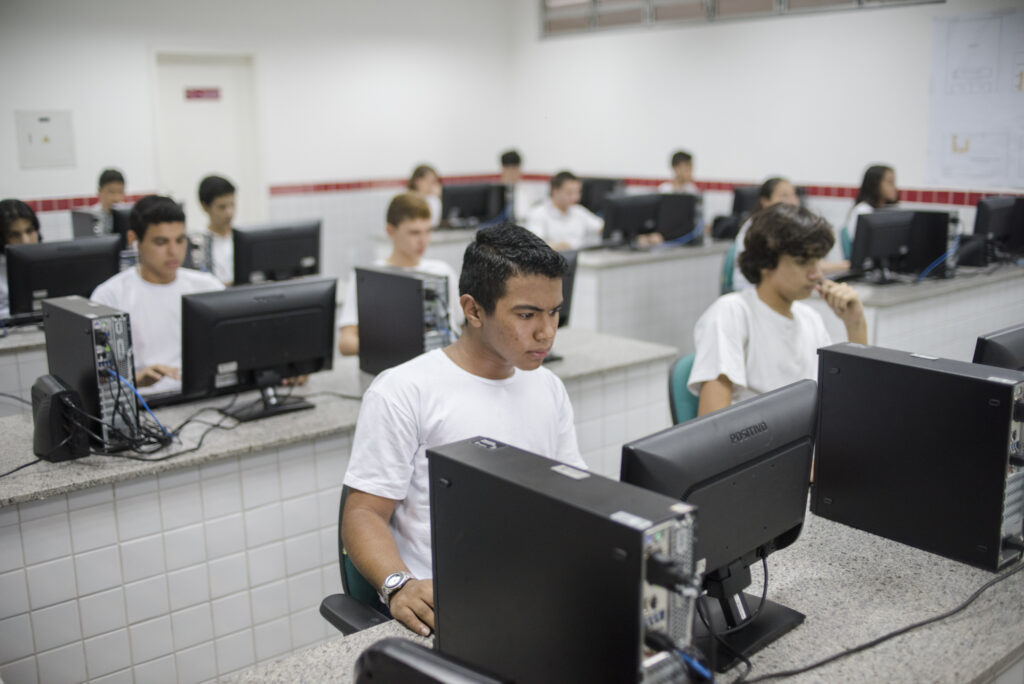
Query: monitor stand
[{"x": 269, "y": 404}]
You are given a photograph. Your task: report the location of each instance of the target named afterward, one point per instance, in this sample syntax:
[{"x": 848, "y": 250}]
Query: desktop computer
[
  {"x": 541, "y": 569},
  {"x": 87, "y": 346},
  {"x": 402, "y": 314},
  {"x": 922, "y": 450}
]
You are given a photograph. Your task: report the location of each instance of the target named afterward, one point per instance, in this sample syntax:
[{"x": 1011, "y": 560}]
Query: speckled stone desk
[
  {"x": 22, "y": 360},
  {"x": 208, "y": 563},
  {"x": 655, "y": 296},
  {"x": 852, "y": 586},
  {"x": 938, "y": 317}
]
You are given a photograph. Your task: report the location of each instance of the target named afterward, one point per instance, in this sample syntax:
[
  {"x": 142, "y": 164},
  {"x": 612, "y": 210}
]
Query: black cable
[
  {"x": 757, "y": 611},
  {"x": 49, "y": 453},
  {"x": 24, "y": 465},
  {"x": 722, "y": 642},
  {"x": 899, "y": 632},
  {"x": 15, "y": 397}
]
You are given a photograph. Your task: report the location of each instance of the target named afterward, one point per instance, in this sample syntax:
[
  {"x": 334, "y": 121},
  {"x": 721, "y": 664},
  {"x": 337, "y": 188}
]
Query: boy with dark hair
[
  {"x": 490, "y": 382},
  {"x": 109, "y": 194},
  {"x": 19, "y": 225},
  {"x": 682, "y": 175},
  {"x": 217, "y": 198},
  {"x": 763, "y": 338},
  {"x": 408, "y": 227},
  {"x": 519, "y": 197},
  {"x": 151, "y": 292},
  {"x": 562, "y": 221}
]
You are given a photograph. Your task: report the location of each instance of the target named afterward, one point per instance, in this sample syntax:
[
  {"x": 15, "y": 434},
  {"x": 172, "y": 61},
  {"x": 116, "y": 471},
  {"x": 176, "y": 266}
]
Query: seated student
[
  {"x": 562, "y": 221},
  {"x": 776, "y": 191},
  {"x": 111, "y": 193},
  {"x": 19, "y": 225},
  {"x": 217, "y": 197},
  {"x": 408, "y": 227},
  {"x": 519, "y": 198},
  {"x": 877, "y": 190},
  {"x": 682, "y": 175},
  {"x": 490, "y": 382},
  {"x": 426, "y": 183},
  {"x": 151, "y": 292},
  {"x": 762, "y": 338}
]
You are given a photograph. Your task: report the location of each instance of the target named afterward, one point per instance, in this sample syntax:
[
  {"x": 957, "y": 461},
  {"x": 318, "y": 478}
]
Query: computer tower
[
  {"x": 401, "y": 315},
  {"x": 922, "y": 450},
  {"x": 85, "y": 343},
  {"x": 539, "y": 567}
]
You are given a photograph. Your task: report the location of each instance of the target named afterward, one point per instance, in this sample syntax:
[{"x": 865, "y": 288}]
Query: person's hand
[
  {"x": 151, "y": 374},
  {"x": 842, "y": 299},
  {"x": 297, "y": 381},
  {"x": 413, "y": 606},
  {"x": 649, "y": 239}
]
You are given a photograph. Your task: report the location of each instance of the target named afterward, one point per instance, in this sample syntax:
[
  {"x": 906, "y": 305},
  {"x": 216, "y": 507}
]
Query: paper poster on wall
[
  {"x": 976, "y": 127},
  {"x": 45, "y": 140}
]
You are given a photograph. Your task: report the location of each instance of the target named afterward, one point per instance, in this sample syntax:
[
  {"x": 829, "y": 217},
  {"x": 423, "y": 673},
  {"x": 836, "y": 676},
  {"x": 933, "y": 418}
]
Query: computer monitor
[
  {"x": 572, "y": 257},
  {"x": 893, "y": 242},
  {"x": 276, "y": 251},
  {"x": 472, "y": 204},
  {"x": 85, "y": 224},
  {"x": 671, "y": 215},
  {"x": 255, "y": 336},
  {"x": 747, "y": 469},
  {"x": 595, "y": 192},
  {"x": 57, "y": 269},
  {"x": 122, "y": 223},
  {"x": 745, "y": 199},
  {"x": 1003, "y": 348},
  {"x": 1001, "y": 221}
]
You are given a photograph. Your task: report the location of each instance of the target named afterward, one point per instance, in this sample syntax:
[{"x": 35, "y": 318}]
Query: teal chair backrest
[
  {"x": 681, "y": 402},
  {"x": 728, "y": 264},
  {"x": 846, "y": 241}
]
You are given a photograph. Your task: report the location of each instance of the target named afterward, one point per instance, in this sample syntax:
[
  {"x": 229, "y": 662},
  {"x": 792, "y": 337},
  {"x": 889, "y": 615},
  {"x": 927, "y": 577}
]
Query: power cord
[{"x": 15, "y": 397}]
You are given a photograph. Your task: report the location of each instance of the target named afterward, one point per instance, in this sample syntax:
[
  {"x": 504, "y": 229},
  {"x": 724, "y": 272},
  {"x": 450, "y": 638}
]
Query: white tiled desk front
[{"x": 22, "y": 360}]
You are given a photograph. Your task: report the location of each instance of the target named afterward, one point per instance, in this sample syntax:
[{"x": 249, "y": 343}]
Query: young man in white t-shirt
[
  {"x": 562, "y": 221},
  {"x": 217, "y": 198},
  {"x": 110, "y": 193},
  {"x": 490, "y": 382},
  {"x": 408, "y": 225},
  {"x": 682, "y": 175},
  {"x": 151, "y": 292},
  {"x": 763, "y": 338}
]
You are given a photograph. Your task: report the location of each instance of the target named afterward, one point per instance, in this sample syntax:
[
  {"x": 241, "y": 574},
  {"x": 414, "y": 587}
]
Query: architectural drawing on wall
[{"x": 976, "y": 127}]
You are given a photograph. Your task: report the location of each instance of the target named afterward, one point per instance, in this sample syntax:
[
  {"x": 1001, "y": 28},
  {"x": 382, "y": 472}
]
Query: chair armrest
[{"x": 349, "y": 615}]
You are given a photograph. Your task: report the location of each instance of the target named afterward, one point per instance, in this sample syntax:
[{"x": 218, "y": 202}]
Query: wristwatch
[{"x": 392, "y": 583}]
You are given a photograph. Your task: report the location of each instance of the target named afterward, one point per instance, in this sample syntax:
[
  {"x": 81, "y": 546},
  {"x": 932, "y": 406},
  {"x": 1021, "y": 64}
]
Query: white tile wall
[{"x": 18, "y": 370}]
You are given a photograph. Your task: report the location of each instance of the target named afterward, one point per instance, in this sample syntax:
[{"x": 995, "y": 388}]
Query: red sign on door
[{"x": 202, "y": 93}]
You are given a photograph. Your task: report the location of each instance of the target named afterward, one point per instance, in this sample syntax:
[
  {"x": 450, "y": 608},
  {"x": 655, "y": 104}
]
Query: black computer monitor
[
  {"x": 671, "y": 215},
  {"x": 1001, "y": 221},
  {"x": 57, "y": 269},
  {"x": 745, "y": 199},
  {"x": 85, "y": 224},
  {"x": 471, "y": 204},
  {"x": 276, "y": 251},
  {"x": 595, "y": 192},
  {"x": 122, "y": 223},
  {"x": 746, "y": 468},
  {"x": 891, "y": 242},
  {"x": 255, "y": 336},
  {"x": 572, "y": 257},
  {"x": 1003, "y": 348}
]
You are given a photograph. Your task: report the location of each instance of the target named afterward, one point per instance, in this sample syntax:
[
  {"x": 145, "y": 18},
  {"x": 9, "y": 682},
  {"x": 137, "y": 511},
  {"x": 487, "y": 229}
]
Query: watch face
[{"x": 392, "y": 580}]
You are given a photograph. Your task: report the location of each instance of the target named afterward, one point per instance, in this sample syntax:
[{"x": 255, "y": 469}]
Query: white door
[{"x": 207, "y": 124}]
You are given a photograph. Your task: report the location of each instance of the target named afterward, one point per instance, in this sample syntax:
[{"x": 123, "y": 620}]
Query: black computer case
[{"x": 922, "y": 450}]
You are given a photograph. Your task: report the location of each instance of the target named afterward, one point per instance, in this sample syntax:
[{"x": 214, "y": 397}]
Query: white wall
[
  {"x": 345, "y": 89},
  {"x": 815, "y": 97}
]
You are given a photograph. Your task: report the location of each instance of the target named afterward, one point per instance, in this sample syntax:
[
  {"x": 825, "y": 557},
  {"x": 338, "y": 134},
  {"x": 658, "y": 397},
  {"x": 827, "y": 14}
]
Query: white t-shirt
[
  {"x": 756, "y": 347},
  {"x": 430, "y": 401},
  {"x": 855, "y": 212},
  {"x": 222, "y": 256},
  {"x": 434, "y": 203},
  {"x": 5, "y": 302},
  {"x": 155, "y": 314},
  {"x": 669, "y": 187},
  {"x": 524, "y": 198},
  {"x": 350, "y": 307},
  {"x": 576, "y": 226}
]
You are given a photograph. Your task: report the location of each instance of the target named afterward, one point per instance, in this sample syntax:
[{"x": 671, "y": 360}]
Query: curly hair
[{"x": 783, "y": 229}]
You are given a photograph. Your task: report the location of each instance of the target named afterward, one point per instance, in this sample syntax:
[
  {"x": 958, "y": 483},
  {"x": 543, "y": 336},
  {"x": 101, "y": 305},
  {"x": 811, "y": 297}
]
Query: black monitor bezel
[
  {"x": 26, "y": 262},
  {"x": 246, "y": 238}
]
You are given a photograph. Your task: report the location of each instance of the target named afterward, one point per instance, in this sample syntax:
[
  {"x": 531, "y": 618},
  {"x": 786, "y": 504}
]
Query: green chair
[
  {"x": 359, "y": 607},
  {"x": 682, "y": 403},
  {"x": 846, "y": 242},
  {"x": 728, "y": 264}
]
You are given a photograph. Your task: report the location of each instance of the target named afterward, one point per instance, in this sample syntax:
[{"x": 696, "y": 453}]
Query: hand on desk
[
  {"x": 150, "y": 375},
  {"x": 413, "y": 606},
  {"x": 649, "y": 239},
  {"x": 297, "y": 381}
]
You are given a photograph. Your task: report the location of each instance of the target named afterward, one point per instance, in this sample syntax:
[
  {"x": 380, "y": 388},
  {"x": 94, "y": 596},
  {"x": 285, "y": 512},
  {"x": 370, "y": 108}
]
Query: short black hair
[
  {"x": 783, "y": 229},
  {"x": 108, "y": 176},
  {"x": 561, "y": 178},
  {"x": 10, "y": 211},
  {"x": 212, "y": 187},
  {"x": 511, "y": 158},
  {"x": 151, "y": 210},
  {"x": 501, "y": 252},
  {"x": 680, "y": 157}
]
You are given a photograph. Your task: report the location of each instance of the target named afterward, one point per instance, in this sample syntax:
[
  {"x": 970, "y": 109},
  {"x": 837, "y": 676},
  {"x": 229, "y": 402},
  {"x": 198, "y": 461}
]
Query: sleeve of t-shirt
[
  {"x": 350, "y": 307},
  {"x": 383, "y": 447},
  {"x": 593, "y": 223},
  {"x": 536, "y": 224},
  {"x": 568, "y": 446},
  {"x": 454, "y": 310},
  {"x": 720, "y": 338}
]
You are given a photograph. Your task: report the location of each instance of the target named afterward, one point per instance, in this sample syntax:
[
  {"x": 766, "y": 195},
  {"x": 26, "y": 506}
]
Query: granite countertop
[
  {"x": 585, "y": 353},
  {"x": 894, "y": 294},
  {"x": 852, "y": 586},
  {"x": 22, "y": 338},
  {"x": 614, "y": 258}
]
